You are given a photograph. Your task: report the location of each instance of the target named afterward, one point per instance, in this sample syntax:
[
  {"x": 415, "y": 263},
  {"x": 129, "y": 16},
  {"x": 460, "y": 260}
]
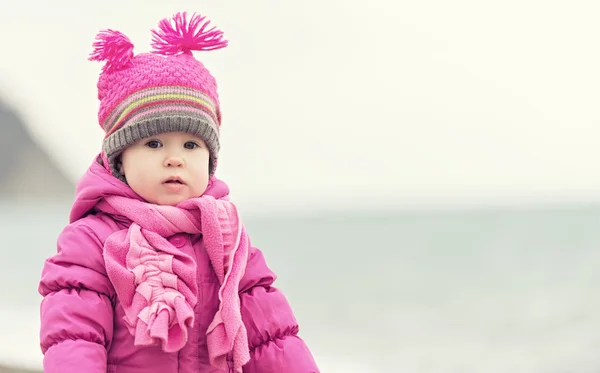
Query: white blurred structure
[{"x": 27, "y": 172}]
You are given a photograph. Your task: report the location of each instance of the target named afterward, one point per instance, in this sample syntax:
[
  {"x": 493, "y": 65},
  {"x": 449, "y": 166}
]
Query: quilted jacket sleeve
[
  {"x": 272, "y": 328},
  {"x": 76, "y": 310}
]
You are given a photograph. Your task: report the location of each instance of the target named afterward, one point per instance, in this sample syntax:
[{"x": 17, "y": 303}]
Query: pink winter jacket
[{"x": 82, "y": 326}]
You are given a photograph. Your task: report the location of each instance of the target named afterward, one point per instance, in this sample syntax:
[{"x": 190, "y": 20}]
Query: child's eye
[
  {"x": 190, "y": 145},
  {"x": 153, "y": 144}
]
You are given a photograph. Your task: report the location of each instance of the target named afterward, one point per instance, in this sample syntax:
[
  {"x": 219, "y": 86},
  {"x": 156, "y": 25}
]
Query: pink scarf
[{"x": 156, "y": 282}]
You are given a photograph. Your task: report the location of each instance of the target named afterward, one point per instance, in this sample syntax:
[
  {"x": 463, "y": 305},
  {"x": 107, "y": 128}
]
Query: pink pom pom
[
  {"x": 113, "y": 47},
  {"x": 185, "y": 37}
]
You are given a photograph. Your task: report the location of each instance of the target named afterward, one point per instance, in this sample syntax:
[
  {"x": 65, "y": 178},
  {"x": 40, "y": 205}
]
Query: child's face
[{"x": 168, "y": 168}]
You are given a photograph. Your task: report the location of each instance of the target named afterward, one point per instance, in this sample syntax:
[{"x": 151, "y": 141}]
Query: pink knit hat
[{"x": 166, "y": 90}]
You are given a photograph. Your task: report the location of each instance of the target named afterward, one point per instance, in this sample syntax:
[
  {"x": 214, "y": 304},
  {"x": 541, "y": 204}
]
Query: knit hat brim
[{"x": 115, "y": 143}]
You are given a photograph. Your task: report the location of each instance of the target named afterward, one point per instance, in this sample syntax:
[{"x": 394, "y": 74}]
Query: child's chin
[{"x": 169, "y": 201}]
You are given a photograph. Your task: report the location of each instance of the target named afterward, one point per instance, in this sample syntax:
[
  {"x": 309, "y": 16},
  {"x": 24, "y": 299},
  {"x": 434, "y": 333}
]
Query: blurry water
[{"x": 494, "y": 291}]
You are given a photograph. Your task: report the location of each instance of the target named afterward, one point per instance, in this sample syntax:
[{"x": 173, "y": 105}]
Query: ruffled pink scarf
[{"x": 156, "y": 283}]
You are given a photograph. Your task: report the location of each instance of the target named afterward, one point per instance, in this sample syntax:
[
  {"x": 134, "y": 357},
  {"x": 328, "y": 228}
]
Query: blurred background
[{"x": 421, "y": 175}]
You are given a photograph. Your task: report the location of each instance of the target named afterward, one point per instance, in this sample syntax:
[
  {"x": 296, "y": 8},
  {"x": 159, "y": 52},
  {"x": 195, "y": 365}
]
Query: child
[{"x": 155, "y": 272}]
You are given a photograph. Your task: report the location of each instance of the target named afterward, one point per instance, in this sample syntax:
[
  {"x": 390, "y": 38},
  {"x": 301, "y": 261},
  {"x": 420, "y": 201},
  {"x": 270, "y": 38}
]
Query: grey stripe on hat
[{"x": 175, "y": 110}]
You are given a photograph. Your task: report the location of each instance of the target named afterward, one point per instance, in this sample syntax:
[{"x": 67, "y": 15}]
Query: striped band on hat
[{"x": 158, "y": 101}]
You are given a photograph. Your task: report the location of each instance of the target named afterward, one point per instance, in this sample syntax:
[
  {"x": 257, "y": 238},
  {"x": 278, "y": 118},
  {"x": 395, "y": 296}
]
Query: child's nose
[{"x": 173, "y": 161}]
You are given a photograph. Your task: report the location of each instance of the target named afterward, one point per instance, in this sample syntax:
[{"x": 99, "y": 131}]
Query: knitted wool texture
[{"x": 166, "y": 90}]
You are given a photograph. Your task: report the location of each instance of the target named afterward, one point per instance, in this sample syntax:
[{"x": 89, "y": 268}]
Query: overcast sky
[{"x": 348, "y": 102}]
